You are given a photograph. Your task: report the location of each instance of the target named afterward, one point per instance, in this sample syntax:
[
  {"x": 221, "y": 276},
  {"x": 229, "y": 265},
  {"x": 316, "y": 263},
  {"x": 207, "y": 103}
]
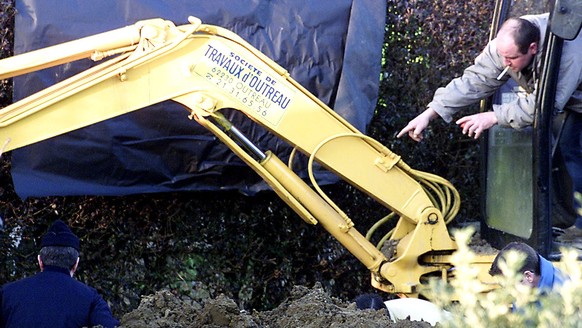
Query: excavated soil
[{"x": 306, "y": 307}]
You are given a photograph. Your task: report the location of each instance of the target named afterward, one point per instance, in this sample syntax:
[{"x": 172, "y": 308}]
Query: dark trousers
[{"x": 571, "y": 150}]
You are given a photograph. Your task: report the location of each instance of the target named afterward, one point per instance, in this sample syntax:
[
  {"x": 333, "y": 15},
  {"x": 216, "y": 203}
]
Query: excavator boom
[{"x": 207, "y": 68}]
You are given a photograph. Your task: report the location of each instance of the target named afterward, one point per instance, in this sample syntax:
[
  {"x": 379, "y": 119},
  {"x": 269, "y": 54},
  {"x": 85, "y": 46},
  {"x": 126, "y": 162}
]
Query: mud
[{"x": 306, "y": 307}]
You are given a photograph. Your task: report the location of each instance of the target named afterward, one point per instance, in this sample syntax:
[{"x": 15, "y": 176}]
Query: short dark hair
[
  {"x": 524, "y": 33},
  {"x": 531, "y": 261},
  {"x": 60, "y": 256}
]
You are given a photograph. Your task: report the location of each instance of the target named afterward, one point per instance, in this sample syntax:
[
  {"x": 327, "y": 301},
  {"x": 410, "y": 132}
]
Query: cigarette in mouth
[{"x": 502, "y": 73}]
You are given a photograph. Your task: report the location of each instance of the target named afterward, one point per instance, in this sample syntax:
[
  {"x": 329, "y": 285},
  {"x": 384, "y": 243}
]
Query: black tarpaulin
[{"x": 331, "y": 47}]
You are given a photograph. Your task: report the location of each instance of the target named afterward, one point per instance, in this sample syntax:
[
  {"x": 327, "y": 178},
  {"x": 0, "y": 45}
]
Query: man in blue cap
[{"x": 52, "y": 297}]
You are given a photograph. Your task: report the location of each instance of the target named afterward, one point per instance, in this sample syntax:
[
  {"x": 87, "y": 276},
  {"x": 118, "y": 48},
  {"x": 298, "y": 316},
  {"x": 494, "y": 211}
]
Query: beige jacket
[{"x": 480, "y": 81}]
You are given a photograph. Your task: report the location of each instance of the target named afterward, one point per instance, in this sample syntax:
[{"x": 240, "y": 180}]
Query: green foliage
[
  {"x": 7, "y": 13},
  {"x": 469, "y": 307},
  {"x": 427, "y": 43},
  {"x": 252, "y": 250}
]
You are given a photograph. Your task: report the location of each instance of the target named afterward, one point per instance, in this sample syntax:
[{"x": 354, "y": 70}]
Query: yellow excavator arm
[{"x": 207, "y": 68}]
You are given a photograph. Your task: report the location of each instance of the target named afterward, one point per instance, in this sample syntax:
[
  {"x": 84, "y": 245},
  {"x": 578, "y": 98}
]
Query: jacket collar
[
  {"x": 52, "y": 268},
  {"x": 550, "y": 276}
]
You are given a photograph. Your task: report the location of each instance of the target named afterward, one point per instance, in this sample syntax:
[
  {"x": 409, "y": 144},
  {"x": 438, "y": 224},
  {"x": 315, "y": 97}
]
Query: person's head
[
  {"x": 530, "y": 267},
  {"x": 370, "y": 301},
  {"x": 59, "y": 247},
  {"x": 518, "y": 42}
]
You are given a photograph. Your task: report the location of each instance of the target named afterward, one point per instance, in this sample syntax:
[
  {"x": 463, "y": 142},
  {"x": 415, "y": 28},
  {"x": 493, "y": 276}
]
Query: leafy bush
[
  {"x": 471, "y": 308},
  {"x": 428, "y": 43}
]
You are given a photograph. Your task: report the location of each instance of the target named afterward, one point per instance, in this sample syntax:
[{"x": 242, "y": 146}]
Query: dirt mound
[{"x": 306, "y": 307}]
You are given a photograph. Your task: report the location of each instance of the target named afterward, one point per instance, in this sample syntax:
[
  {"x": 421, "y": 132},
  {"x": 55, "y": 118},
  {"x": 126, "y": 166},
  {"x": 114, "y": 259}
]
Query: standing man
[
  {"x": 516, "y": 53},
  {"x": 52, "y": 297}
]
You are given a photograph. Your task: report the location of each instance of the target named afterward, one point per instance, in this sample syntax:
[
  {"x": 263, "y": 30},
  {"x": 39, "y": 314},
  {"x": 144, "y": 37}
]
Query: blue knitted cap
[{"x": 59, "y": 234}]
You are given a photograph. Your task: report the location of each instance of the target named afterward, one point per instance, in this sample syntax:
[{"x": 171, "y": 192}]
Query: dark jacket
[{"x": 52, "y": 298}]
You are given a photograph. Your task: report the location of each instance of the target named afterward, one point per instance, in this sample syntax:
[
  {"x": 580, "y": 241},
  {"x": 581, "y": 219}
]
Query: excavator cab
[{"x": 527, "y": 194}]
